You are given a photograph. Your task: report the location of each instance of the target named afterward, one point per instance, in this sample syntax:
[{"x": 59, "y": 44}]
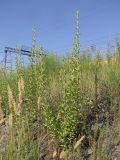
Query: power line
[
  {"x": 104, "y": 37},
  {"x": 81, "y": 19},
  {"x": 98, "y": 41}
]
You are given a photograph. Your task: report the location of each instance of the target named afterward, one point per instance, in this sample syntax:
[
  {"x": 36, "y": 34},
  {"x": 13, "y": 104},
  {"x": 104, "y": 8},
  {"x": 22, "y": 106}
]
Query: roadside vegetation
[{"x": 61, "y": 107}]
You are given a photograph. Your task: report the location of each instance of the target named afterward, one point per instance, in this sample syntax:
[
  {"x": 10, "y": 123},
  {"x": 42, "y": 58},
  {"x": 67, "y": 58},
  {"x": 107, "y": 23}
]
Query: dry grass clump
[{"x": 16, "y": 106}]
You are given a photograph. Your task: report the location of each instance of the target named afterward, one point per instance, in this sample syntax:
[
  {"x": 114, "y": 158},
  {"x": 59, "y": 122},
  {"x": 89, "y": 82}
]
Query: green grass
[{"x": 59, "y": 97}]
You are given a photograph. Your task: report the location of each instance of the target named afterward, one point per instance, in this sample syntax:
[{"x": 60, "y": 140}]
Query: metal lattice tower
[{"x": 8, "y": 51}]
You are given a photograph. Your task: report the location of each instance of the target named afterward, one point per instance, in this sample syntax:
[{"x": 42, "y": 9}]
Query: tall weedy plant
[{"x": 65, "y": 127}]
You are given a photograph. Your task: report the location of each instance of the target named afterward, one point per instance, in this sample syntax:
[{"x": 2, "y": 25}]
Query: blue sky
[{"x": 55, "y": 22}]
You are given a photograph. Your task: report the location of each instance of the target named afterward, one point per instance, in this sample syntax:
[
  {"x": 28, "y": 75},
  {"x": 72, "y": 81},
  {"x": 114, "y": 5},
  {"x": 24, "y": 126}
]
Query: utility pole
[
  {"x": 21, "y": 51},
  {"x": 25, "y": 51},
  {"x": 5, "y": 57}
]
